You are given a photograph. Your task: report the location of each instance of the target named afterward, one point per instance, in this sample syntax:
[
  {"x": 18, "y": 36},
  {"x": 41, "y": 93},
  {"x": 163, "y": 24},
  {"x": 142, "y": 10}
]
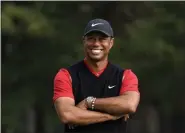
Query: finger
[{"x": 126, "y": 117}]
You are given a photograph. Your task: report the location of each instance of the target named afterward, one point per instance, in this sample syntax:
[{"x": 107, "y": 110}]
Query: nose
[{"x": 96, "y": 41}]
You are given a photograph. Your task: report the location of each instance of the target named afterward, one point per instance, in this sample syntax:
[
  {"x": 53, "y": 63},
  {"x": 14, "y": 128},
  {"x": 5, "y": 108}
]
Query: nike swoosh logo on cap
[{"x": 96, "y": 24}]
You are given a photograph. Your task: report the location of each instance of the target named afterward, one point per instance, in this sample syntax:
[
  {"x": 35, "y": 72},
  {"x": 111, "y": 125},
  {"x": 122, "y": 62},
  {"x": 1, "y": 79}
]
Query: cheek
[
  {"x": 107, "y": 47},
  {"x": 87, "y": 44},
  {"x": 110, "y": 46},
  {"x": 87, "y": 47}
]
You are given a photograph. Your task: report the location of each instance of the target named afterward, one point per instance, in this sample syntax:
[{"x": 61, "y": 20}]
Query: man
[{"x": 93, "y": 95}]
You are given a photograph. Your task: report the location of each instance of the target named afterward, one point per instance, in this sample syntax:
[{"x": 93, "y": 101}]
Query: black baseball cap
[{"x": 99, "y": 25}]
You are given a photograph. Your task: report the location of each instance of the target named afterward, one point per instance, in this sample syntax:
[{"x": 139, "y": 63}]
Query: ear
[
  {"x": 111, "y": 43},
  {"x": 83, "y": 39}
]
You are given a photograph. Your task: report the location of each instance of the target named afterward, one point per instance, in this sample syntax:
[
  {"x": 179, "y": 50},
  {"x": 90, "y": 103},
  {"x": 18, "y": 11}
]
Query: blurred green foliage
[{"x": 39, "y": 38}]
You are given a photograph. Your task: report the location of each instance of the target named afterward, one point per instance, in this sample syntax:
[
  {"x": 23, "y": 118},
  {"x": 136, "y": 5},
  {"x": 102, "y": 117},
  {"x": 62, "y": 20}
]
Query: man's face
[{"x": 97, "y": 45}]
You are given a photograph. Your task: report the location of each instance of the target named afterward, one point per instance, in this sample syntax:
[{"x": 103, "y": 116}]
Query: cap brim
[{"x": 98, "y": 31}]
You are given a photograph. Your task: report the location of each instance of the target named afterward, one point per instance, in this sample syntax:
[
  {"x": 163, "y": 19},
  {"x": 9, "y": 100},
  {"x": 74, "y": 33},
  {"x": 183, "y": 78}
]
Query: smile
[{"x": 96, "y": 51}]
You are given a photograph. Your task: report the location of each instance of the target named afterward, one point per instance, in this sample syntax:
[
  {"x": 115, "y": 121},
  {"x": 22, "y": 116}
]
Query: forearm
[
  {"x": 117, "y": 105},
  {"x": 79, "y": 116},
  {"x": 112, "y": 105}
]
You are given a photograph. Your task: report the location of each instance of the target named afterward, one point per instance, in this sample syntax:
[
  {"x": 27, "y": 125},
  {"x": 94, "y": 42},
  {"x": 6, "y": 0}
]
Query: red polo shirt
[{"x": 63, "y": 83}]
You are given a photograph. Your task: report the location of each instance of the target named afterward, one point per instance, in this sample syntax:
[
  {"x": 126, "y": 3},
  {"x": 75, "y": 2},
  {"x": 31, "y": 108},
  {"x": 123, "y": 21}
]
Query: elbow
[
  {"x": 132, "y": 108},
  {"x": 128, "y": 109},
  {"x": 66, "y": 118}
]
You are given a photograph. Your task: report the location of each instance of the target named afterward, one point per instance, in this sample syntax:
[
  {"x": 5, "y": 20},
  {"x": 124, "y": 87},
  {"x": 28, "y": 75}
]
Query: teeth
[{"x": 96, "y": 51}]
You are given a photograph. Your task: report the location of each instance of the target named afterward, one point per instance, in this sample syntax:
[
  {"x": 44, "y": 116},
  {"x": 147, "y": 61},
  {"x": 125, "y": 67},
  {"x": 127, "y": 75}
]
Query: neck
[{"x": 97, "y": 65}]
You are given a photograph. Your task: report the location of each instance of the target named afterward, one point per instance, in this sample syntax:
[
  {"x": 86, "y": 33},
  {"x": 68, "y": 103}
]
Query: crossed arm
[
  {"x": 70, "y": 114},
  {"x": 113, "y": 107},
  {"x": 123, "y": 104}
]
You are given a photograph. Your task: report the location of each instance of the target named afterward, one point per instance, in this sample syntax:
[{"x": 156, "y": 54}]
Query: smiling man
[{"x": 94, "y": 95}]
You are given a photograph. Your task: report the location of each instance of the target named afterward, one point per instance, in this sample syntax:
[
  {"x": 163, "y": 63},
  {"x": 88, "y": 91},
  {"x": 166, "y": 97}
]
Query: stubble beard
[{"x": 104, "y": 57}]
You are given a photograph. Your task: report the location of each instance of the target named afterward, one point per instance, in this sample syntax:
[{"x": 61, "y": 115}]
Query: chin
[{"x": 96, "y": 59}]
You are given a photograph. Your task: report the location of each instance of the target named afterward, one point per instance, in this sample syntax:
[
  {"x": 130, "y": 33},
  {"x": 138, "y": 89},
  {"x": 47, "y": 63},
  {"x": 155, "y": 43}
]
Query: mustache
[{"x": 95, "y": 48}]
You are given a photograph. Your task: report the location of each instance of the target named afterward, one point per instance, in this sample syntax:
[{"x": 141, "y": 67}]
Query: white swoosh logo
[
  {"x": 96, "y": 24},
  {"x": 110, "y": 87}
]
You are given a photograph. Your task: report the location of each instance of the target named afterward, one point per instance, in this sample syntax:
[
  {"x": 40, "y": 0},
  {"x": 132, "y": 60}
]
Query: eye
[
  {"x": 90, "y": 38},
  {"x": 103, "y": 38}
]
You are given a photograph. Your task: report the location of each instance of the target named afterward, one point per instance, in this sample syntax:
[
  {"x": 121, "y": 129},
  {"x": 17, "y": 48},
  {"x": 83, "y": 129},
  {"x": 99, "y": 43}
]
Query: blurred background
[{"x": 39, "y": 38}]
